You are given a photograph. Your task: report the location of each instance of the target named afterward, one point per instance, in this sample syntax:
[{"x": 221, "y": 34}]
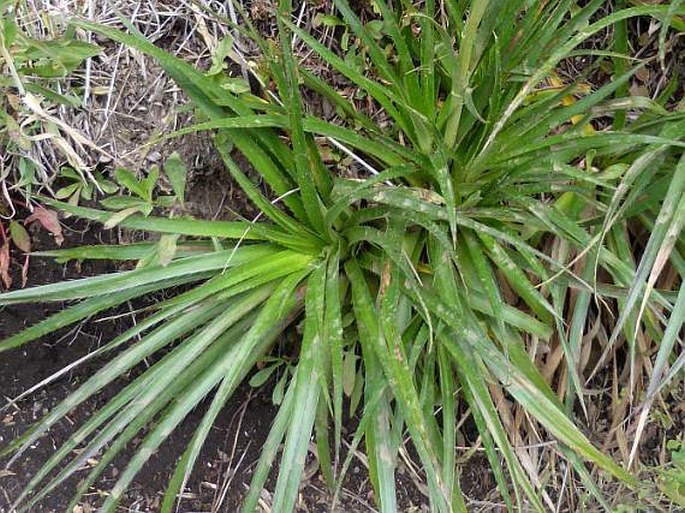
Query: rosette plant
[{"x": 488, "y": 228}]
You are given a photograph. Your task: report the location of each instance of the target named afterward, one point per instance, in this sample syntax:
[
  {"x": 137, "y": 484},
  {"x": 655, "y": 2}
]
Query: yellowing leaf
[
  {"x": 166, "y": 248},
  {"x": 118, "y": 217},
  {"x": 20, "y": 237},
  {"x": 349, "y": 373}
]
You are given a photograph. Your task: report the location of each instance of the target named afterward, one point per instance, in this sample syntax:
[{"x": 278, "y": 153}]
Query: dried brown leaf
[
  {"x": 49, "y": 220},
  {"x": 25, "y": 272},
  {"x": 5, "y": 264}
]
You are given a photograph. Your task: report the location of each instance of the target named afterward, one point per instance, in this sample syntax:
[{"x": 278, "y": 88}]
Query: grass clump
[{"x": 494, "y": 217}]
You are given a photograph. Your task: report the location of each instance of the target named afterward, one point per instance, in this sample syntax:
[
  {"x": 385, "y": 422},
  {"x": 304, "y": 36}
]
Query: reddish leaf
[
  {"x": 49, "y": 220},
  {"x": 5, "y": 264},
  {"x": 20, "y": 237}
]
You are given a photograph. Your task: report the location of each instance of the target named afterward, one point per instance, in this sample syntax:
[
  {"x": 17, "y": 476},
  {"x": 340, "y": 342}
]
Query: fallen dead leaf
[
  {"x": 638, "y": 90},
  {"x": 49, "y": 220},
  {"x": 642, "y": 74},
  {"x": 5, "y": 264},
  {"x": 14, "y": 101}
]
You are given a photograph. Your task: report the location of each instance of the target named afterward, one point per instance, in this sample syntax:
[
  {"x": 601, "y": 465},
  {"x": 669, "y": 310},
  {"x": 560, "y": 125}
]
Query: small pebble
[{"x": 154, "y": 156}]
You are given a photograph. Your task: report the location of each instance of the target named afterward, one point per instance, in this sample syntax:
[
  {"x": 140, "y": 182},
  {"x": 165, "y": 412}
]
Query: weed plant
[{"x": 494, "y": 219}]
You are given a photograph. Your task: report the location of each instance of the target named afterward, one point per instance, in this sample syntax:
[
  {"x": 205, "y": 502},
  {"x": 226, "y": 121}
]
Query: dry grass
[{"x": 126, "y": 98}]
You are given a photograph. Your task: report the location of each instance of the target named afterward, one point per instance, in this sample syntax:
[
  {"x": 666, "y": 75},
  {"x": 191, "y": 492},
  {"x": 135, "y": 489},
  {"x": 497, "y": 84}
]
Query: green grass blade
[
  {"x": 108, "y": 283},
  {"x": 82, "y": 310},
  {"x": 461, "y": 75},
  {"x": 123, "y": 428},
  {"x": 228, "y": 385},
  {"x": 661, "y": 242},
  {"x": 229, "y": 370},
  {"x": 133, "y": 251},
  {"x": 306, "y": 397},
  {"x": 382, "y": 95},
  {"x": 179, "y": 225},
  {"x": 202, "y": 90},
  {"x": 308, "y": 171},
  {"x": 560, "y": 52},
  {"x": 120, "y": 364},
  {"x": 147, "y": 346},
  {"x": 517, "y": 279},
  {"x": 269, "y": 450},
  {"x": 419, "y": 423},
  {"x": 659, "y": 378},
  {"x": 381, "y": 455},
  {"x": 528, "y": 395},
  {"x": 333, "y": 336},
  {"x": 449, "y": 429},
  {"x": 472, "y": 368}
]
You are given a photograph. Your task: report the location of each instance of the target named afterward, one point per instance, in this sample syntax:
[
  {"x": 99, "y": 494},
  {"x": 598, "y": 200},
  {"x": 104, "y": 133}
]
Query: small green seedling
[
  {"x": 219, "y": 66},
  {"x": 271, "y": 364},
  {"x": 81, "y": 188},
  {"x": 141, "y": 197},
  {"x": 672, "y": 476},
  {"x": 142, "y": 200}
]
